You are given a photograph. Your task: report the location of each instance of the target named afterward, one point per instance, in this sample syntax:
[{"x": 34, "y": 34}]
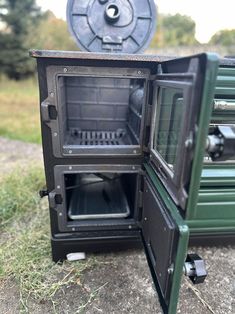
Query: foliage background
[{"x": 24, "y": 26}]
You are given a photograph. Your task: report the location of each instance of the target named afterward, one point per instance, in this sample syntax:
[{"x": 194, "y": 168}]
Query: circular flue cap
[{"x": 116, "y": 26}]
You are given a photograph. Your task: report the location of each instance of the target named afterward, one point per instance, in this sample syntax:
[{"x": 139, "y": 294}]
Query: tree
[
  {"x": 16, "y": 19},
  {"x": 174, "y": 30},
  {"x": 224, "y": 38},
  {"x": 52, "y": 34}
]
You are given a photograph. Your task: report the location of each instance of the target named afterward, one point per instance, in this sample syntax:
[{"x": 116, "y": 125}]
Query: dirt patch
[
  {"x": 18, "y": 154},
  {"x": 9, "y": 297}
]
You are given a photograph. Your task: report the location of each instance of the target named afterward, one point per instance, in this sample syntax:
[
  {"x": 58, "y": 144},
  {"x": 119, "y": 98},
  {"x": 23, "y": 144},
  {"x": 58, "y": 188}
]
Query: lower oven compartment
[
  {"x": 100, "y": 195},
  {"x": 88, "y": 196}
]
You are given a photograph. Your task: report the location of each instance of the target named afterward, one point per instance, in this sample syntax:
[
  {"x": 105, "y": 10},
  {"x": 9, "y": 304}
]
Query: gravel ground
[
  {"x": 121, "y": 283},
  {"x": 16, "y": 153}
]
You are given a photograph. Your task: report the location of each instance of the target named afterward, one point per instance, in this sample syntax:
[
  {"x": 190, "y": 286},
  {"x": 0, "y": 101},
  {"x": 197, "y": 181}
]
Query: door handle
[{"x": 45, "y": 111}]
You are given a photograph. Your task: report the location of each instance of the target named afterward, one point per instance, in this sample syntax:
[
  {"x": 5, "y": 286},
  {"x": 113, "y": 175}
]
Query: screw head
[
  {"x": 170, "y": 269},
  {"x": 70, "y": 167},
  {"x": 70, "y": 151},
  {"x": 52, "y": 94},
  {"x": 65, "y": 70},
  {"x": 55, "y": 134}
]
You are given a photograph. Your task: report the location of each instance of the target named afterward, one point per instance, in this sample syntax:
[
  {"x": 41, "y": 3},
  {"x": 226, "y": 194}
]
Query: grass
[
  {"x": 19, "y": 193},
  {"x": 19, "y": 110},
  {"x": 25, "y": 255}
]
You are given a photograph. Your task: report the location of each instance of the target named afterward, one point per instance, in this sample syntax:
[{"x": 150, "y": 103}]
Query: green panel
[
  {"x": 216, "y": 204},
  {"x": 203, "y": 127},
  {"x": 220, "y": 175},
  {"x": 217, "y": 194},
  {"x": 182, "y": 241},
  {"x": 225, "y": 84},
  {"x": 211, "y": 226}
]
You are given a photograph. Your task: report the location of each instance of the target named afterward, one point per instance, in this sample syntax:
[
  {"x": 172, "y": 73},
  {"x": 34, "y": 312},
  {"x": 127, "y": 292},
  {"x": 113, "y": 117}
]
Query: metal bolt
[
  {"x": 73, "y": 229},
  {"x": 133, "y": 168},
  {"x": 130, "y": 227},
  {"x": 189, "y": 143},
  {"x": 145, "y": 219},
  {"x": 70, "y": 167},
  {"x": 58, "y": 187},
  {"x": 134, "y": 151},
  {"x": 55, "y": 134},
  {"x": 60, "y": 214},
  {"x": 139, "y": 72},
  {"x": 52, "y": 94},
  {"x": 65, "y": 70},
  {"x": 170, "y": 269},
  {"x": 70, "y": 151}
]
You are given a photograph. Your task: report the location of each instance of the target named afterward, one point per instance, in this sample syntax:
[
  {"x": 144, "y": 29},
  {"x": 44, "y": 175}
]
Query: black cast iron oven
[{"x": 121, "y": 141}]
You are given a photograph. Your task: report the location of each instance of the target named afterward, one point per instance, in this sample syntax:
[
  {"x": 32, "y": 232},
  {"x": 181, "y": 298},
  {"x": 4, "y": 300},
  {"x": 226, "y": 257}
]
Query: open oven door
[
  {"x": 182, "y": 105},
  {"x": 165, "y": 237}
]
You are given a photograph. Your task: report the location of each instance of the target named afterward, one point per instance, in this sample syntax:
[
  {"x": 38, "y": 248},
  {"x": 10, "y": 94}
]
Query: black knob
[
  {"x": 195, "y": 268},
  {"x": 43, "y": 193}
]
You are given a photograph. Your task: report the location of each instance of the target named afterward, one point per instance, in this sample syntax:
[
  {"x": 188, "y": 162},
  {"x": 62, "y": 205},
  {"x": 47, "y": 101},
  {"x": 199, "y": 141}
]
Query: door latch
[{"x": 195, "y": 269}]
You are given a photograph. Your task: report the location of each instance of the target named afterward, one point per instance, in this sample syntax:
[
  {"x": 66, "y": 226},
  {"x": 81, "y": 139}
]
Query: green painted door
[{"x": 181, "y": 107}]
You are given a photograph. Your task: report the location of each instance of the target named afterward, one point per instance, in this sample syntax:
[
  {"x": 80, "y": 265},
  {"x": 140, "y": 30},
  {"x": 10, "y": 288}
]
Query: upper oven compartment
[{"x": 96, "y": 111}]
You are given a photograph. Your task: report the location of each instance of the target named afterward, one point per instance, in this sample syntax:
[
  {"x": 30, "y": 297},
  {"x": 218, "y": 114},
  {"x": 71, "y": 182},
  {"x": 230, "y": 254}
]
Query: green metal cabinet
[{"x": 214, "y": 213}]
